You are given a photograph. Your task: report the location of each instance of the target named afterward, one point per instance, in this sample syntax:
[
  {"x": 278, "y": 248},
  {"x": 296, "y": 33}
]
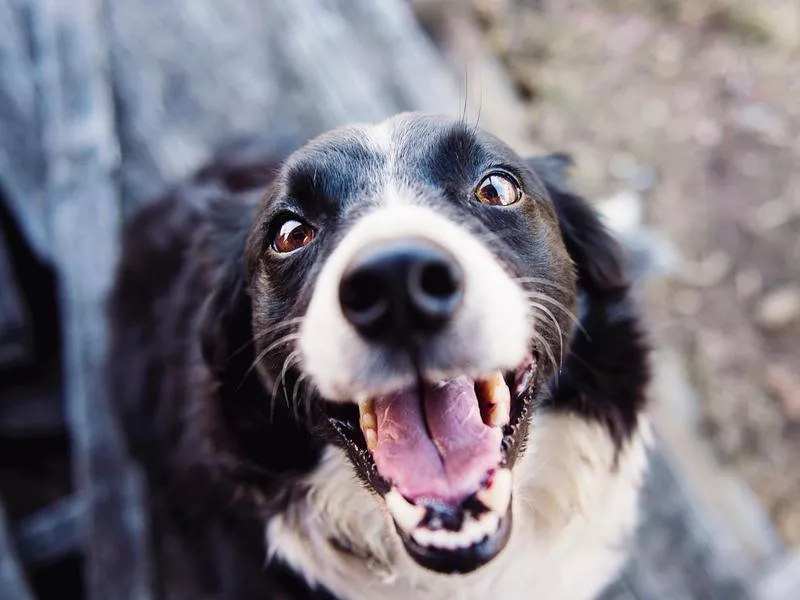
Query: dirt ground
[{"x": 695, "y": 108}]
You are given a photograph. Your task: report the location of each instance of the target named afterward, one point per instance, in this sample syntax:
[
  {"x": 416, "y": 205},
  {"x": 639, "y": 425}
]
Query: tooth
[
  {"x": 497, "y": 496},
  {"x": 495, "y": 393},
  {"x": 372, "y": 439},
  {"x": 422, "y": 536},
  {"x": 407, "y": 515},
  {"x": 489, "y": 522},
  {"x": 498, "y": 414},
  {"x": 368, "y": 421},
  {"x": 471, "y": 531}
]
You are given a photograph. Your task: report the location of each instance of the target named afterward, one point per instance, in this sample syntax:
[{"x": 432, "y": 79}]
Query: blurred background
[{"x": 683, "y": 117}]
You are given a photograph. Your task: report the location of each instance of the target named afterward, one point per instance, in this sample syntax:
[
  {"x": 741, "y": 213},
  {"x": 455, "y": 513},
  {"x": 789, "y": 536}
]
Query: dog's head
[{"x": 411, "y": 287}]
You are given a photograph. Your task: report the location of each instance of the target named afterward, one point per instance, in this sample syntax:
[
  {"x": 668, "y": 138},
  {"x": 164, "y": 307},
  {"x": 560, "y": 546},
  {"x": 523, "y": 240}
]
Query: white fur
[
  {"x": 489, "y": 332},
  {"x": 574, "y": 511}
]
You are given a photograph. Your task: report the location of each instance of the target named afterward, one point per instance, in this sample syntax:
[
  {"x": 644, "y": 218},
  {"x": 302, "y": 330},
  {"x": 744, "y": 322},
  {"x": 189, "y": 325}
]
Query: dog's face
[{"x": 412, "y": 293}]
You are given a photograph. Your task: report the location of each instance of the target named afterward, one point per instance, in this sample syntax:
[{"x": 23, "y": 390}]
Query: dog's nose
[{"x": 399, "y": 291}]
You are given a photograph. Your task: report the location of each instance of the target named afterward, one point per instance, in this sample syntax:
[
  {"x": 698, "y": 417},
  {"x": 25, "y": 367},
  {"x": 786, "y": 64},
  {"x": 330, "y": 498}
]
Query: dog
[{"x": 404, "y": 362}]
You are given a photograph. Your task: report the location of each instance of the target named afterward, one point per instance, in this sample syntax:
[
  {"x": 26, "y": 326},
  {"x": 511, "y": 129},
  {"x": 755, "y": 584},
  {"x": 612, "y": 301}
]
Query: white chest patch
[{"x": 574, "y": 512}]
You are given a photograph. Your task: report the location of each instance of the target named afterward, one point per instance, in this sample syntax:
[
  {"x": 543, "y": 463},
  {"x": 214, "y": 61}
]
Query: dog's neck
[{"x": 575, "y": 506}]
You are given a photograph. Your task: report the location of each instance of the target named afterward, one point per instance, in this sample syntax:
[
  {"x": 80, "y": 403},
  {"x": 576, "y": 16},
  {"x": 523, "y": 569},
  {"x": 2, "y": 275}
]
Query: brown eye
[
  {"x": 498, "y": 189},
  {"x": 292, "y": 235}
]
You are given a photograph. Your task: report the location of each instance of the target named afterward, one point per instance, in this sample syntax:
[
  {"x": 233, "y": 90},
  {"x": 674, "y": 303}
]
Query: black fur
[
  {"x": 607, "y": 370},
  {"x": 220, "y": 455}
]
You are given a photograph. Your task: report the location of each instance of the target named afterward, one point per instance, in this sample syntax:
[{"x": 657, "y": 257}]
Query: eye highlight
[
  {"x": 291, "y": 235},
  {"x": 498, "y": 189}
]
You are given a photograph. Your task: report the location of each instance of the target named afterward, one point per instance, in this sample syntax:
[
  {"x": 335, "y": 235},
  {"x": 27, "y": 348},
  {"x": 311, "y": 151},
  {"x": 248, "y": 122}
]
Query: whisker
[
  {"x": 546, "y": 311},
  {"x": 267, "y": 331},
  {"x": 306, "y": 397},
  {"x": 545, "y": 298},
  {"x": 544, "y": 281},
  {"x": 290, "y": 360},
  {"x": 546, "y": 347},
  {"x": 279, "y": 342}
]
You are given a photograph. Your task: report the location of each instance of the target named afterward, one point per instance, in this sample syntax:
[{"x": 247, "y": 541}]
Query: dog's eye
[
  {"x": 498, "y": 189},
  {"x": 292, "y": 235}
]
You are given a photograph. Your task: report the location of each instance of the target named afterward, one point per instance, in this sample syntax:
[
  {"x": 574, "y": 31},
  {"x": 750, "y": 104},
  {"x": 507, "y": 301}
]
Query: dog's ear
[
  {"x": 597, "y": 255},
  {"x": 225, "y": 317},
  {"x": 605, "y": 374}
]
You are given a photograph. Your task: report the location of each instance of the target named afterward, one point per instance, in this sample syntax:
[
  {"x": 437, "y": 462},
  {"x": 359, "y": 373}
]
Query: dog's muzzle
[{"x": 415, "y": 321}]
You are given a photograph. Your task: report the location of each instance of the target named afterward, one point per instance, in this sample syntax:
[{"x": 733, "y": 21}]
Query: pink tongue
[{"x": 448, "y": 464}]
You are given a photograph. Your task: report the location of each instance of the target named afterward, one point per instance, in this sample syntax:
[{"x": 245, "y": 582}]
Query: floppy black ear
[
  {"x": 225, "y": 320},
  {"x": 597, "y": 255},
  {"x": 224, "y": 325},
  {"x": 605, "y": 374}
]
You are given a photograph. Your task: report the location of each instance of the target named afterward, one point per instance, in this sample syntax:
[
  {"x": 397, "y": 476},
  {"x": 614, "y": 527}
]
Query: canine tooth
[
  {"x": 497, "y": 496},
  {"x": 368, "y": 421},
  {"x": 407, "y": 515},
  {"x": 495, "y": 393},
  {"x": 372, "y": 439},
  {"x": 499, "y": 414},
  {"x": 366, "y": 406}
]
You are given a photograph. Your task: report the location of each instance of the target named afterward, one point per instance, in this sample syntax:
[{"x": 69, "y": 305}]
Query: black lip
[{"x": 462, "y": 560}]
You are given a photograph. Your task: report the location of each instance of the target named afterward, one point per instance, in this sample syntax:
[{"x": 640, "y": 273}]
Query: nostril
[
  {"x": 435, "y": 291},
  {"x": 439, "y": 280},
  {"x": 363, "y": 298}
]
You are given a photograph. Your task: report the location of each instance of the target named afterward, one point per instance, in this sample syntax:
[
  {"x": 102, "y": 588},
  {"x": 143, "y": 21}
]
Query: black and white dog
[{"x": 402, "y": 363}]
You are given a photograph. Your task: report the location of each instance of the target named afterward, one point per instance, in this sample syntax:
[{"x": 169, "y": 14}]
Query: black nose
[{"x": 399, "y": 291}]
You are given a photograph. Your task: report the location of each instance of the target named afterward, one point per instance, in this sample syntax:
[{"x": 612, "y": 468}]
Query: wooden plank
[
  {"x": 300, "y": 68},
  {"x": 84, "y": 218},
  {"x": 12, "y": 576},
  {"x": 50, "y": 534},
  {"x": 21, "y": 166}
]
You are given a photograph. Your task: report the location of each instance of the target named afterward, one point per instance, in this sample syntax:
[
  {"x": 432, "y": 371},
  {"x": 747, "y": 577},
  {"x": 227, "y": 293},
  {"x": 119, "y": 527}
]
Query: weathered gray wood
[
  {"x": 12, "y": 577},
  {"x": 51, "y": 533},
  {"x": 21, "y": 164},
  {"x": 84, "y": 218},
  {"x": 191, "y": 74}
]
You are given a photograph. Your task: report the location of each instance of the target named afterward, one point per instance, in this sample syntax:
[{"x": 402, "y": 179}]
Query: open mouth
[{"x": 440, "y": 454}]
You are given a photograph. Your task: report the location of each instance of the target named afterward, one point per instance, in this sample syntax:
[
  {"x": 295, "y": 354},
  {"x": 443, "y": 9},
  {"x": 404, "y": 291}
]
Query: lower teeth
[{"x": 495, "y": 497}]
